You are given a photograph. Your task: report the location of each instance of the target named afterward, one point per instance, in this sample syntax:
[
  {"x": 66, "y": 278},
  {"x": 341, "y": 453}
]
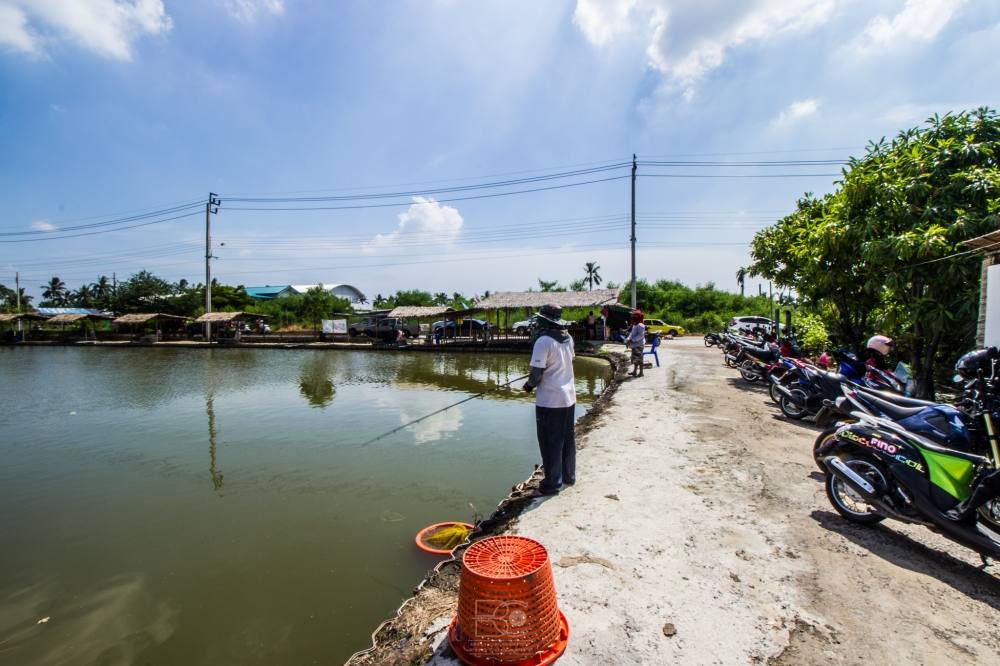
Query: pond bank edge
[{"x": 403, "y": 639}]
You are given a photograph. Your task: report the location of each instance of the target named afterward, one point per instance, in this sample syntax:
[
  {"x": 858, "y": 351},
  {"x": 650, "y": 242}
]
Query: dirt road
[{"x": 699, "y": 533}]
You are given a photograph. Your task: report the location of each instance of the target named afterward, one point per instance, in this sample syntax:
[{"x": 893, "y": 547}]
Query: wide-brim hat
[{"x": 551, "y": 315}]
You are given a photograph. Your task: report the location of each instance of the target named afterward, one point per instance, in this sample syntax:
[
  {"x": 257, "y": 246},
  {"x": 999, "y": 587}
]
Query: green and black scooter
[{"x": 877, "y": 469}]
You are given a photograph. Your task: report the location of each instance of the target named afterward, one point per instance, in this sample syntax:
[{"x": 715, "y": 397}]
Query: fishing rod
[{"x": 443, "y": 409}]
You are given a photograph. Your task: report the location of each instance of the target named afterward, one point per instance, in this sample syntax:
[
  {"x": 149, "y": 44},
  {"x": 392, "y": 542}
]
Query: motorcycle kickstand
[{"x": 987, "y": 560}]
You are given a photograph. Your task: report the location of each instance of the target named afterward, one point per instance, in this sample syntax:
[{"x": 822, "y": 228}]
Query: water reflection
[
  {"x": 111, "y": 623},
  {"x": 315, "y": 383},
  {"x": 212, "y": 467}
]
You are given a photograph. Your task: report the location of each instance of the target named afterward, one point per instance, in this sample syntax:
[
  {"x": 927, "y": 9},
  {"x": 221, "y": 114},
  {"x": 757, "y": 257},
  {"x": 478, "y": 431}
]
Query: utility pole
[
  {"x": 17, "y": 291},
  {"x": 211, "y": 207},
  {"x": 633, "y": 230}
]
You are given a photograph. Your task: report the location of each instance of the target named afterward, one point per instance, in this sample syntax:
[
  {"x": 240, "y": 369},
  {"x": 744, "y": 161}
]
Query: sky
[{"x": 112, "y": 108}]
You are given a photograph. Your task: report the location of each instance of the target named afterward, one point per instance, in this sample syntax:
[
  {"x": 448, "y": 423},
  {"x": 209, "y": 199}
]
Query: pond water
[{"x": 179, "y": 506}]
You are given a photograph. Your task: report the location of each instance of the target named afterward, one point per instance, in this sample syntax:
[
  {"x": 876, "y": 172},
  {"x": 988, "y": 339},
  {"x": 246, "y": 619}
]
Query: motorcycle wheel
[
  {"x": 790, "y": 409},
  {"x": 849, "y": 504},
  {"x": 989, "y": 515},
  {"x": 725, "y": 357},
  {"x": 749, "y": 373},
  {"x": 824, "y": 438},
  {"x": 708, "y": 342},
  {"x": 773, "y": 392}
]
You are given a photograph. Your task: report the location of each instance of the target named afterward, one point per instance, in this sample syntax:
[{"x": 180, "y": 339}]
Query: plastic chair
[{"x": 652, "y": 349}]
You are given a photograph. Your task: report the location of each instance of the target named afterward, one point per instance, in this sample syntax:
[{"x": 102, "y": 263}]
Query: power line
[
  {"x": 104, "y": 223},
  {"x": 442, "y": 190},
  {"x": 102, "y": 231},
  {"x": 417, "y": 203}
]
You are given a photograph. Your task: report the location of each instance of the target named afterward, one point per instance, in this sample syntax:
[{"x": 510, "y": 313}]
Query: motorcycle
[
  {"x": 878, "y": 469},
  {"x": 713, "y": 340},
  {"x": 808, "y": 390},
  {"x": 939, "y": 422}
]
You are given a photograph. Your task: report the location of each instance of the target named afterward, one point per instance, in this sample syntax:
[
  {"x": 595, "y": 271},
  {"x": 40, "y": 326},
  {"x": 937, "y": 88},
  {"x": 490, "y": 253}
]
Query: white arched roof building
[{"x": 350, "y": 292}]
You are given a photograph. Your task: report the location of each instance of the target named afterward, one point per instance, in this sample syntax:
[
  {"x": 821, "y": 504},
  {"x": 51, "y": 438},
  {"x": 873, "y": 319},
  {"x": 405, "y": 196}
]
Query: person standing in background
[{"x": 636, "y": 341}]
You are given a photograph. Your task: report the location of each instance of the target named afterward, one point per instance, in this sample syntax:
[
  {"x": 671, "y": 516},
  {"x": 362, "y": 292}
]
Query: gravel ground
[{"x": 699, "y": 533}]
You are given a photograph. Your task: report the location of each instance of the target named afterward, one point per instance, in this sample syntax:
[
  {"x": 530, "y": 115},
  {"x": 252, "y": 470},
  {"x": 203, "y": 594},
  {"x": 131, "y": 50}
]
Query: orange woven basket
[{"x": 507, "y": 610}]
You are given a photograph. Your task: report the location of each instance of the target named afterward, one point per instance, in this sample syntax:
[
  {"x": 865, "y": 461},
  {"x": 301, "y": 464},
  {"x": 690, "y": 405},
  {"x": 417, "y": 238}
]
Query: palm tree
[
  {"x": 102, "y": 290},
  {"x": 741, "y": 278},
  {"x": 593, "y": 277},
  {"x": 84, "y": 296},
  {"x": 545, "y": 285},
  {"x": 55, "y": 291}
]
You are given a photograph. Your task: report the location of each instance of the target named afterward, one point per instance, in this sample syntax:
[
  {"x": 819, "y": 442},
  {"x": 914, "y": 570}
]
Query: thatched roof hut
[
  {"x": 418, "y": 311},
  {"x": 21, "y": 316},
  {"x": 73, "y": 318},
  {"x": 536, "y": 299},
  {"x": 224, "y": 317},
  {"x": 144, "y": 317}
]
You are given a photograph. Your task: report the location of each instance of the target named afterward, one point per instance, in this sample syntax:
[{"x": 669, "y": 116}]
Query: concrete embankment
[{"x": 699, "y": 533}]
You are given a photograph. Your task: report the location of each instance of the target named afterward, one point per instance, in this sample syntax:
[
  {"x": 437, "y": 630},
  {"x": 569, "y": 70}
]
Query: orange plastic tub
[
  {"x": 507, "y": 610},
  {"x": 428, "y": 546}
]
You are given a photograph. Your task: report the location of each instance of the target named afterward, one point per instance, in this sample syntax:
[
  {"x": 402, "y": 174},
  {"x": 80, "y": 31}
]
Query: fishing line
[{"x": 443, "y": 409}]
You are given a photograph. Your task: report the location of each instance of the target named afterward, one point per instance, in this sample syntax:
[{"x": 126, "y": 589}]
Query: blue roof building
[{"x": 269, "y": 292}]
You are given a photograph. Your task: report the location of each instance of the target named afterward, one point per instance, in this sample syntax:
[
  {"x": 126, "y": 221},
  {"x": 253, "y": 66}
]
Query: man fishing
[{"x": 555, "y": 399}]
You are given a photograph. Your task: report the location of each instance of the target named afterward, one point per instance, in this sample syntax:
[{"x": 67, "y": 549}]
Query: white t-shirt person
[{"x": 557, "y": 387}]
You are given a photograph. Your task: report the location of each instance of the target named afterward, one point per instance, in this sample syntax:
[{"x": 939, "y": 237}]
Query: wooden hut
[
  {"x": 528, "y": 302},
  {"x": 16, "y": 318},
  {"x": 79, "y": 319},
  {"x": 134, "y": 321},
  {"x": 225, "y": 324}
]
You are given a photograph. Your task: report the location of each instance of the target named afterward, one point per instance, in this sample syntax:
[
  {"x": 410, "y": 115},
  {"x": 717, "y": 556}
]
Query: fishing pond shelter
[
  {"x": 81, "y": 321},
  {"x": 19, "y": 318},
  {"x": 225, "y": 325},
  {"x": 139, "y": 321},
  {"x": 988, "y": 326},
  {"x": 524, "y": 304}
]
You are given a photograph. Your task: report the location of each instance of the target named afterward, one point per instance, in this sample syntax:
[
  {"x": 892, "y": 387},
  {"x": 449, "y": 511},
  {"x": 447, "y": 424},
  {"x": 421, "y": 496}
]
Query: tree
[
  {"x": 884, "y": 251},
  {"x": 9, "y": 300},
  {"x": 82, "y": 297},
  {"x": 145, "y": 292},
  {"x": 103, "y": 292},
  {"x": 741, "y": 276},
  {"x": 545, "y": 285},
  {"x": 318, "y": 303},
  {"x": 592, "y": 277},
  {"x": 54, "y": 293}
]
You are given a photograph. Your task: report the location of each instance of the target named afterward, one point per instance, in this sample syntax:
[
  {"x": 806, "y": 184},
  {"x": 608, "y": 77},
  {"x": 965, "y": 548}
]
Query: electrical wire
[
  {"x": 102, "y": 231},
  {"x": 105, "y": 223}
]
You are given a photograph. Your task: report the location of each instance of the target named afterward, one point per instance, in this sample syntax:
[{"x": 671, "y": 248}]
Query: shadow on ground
[{"x": 901, "y": 550}]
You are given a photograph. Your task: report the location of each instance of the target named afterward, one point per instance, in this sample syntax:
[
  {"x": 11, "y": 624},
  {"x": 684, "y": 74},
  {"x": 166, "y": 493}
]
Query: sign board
[
  {"x": 991, "y": 334},
  {"x": 335, "y": 326}
]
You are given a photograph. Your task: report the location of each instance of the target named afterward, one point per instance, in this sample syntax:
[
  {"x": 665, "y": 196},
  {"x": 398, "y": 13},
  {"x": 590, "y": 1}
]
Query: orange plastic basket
[{"x": 507, "y": 610}]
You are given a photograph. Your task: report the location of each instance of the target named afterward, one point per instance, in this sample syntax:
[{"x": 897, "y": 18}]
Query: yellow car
[{"x": 654, "y": 326}]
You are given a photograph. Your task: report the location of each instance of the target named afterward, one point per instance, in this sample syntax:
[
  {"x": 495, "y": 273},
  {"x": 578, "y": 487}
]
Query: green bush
[{"x": 812, "y": 333}]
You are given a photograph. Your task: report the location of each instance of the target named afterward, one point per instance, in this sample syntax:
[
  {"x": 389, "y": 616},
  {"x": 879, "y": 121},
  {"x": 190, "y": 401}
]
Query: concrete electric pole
[
  {"x": 211, "y": 208},
  {"x": 633, "y": 230}
]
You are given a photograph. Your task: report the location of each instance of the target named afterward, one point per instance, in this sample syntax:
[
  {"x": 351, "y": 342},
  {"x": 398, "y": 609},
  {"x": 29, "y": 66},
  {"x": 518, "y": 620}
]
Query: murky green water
[{"x": 217, "y": 506}]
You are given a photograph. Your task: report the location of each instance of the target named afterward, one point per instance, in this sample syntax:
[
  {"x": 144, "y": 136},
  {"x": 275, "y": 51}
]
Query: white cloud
[
  {"x": 918, "y": 20},
  {"x": 425, "y": 221},
  {"x": 43, "y": 225},
  {"x": 686, "y": 40},
  {"x": 14, "y": 32},
  {"x": 106, "y": 27},
  {"x": 247, "y": 10},
  {"x": 600, "y": 21},
  {"x": 796, "y": 111}
]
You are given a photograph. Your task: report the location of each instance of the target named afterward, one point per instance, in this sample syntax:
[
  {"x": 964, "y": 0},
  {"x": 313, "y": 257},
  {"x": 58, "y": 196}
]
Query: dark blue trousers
[{"x": 557, "y": 442}]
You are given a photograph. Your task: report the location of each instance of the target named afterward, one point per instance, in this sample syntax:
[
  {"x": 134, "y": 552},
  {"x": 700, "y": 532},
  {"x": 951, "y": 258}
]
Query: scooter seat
[
  {"x": 892, "y": 410},
  {"x": 901, "y": 400},
  {"x": 762, "y": 354}
]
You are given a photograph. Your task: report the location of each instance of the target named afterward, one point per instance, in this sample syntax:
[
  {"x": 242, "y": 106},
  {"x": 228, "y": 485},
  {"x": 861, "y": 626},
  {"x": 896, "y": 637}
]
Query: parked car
[
  {"x": 364, "y": 327},
  {"x": 449, "y": 328},
  {"x": 654, "y": 326},
  {"x": 748, "y": 323},
  {"x": 522, "y": 327},
  {"x": 386, "y": 328}
]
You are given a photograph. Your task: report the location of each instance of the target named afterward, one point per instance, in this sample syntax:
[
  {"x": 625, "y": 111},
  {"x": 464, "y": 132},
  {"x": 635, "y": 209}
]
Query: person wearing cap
[
  {"x": 636, "y": 341},
  {"x": 555, "y": 399}
]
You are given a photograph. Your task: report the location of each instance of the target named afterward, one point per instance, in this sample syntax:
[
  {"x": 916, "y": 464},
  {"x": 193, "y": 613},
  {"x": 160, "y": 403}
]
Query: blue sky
[{"x": 113, "y": 106}]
